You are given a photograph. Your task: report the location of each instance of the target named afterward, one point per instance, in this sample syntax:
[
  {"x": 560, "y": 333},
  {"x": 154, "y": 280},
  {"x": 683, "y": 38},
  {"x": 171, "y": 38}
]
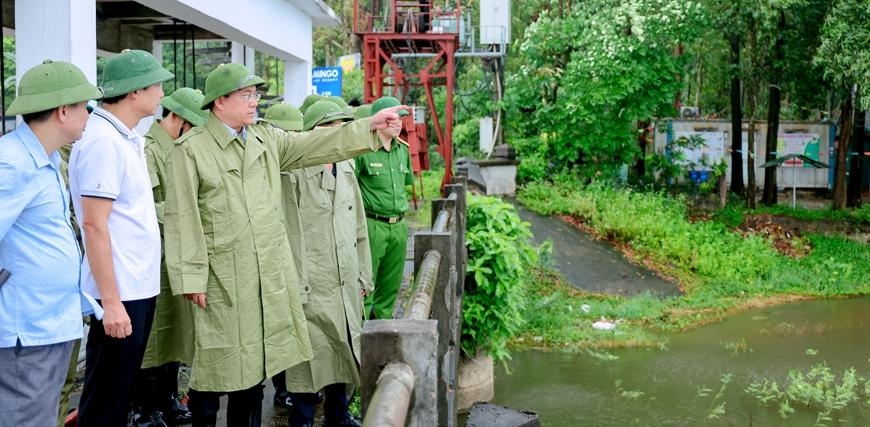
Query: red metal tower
[{"x": 416, "y": 31}]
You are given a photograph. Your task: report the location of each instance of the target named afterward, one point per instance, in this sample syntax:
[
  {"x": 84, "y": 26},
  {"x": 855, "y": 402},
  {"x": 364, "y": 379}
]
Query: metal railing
[{"x": 408, "y": 366}]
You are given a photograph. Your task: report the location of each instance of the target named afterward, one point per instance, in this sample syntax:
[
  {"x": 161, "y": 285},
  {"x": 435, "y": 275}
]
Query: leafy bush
[{"x": 499, "y": 256}]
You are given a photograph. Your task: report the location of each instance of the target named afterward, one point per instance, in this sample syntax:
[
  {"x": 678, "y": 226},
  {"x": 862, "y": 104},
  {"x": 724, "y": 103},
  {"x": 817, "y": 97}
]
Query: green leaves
[
  {"x": 816, "y": 389},
  {"x": 612, "y": 65},
  {"x": 844, "y": 52},
  {"x": 499, "y": 255}
]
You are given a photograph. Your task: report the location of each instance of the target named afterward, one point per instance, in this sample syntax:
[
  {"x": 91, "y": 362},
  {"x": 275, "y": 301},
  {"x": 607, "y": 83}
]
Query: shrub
[{"x": 499, "y": 257}]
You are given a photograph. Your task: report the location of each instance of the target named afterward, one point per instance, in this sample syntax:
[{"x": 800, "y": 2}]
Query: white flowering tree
[{"x": 588, "y": 76}]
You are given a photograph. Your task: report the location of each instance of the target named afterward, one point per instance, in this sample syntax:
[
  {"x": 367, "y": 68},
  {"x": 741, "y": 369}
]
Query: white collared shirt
[
  {"x": 243, "y": 134},
  {"x": 109, "y": 162}
]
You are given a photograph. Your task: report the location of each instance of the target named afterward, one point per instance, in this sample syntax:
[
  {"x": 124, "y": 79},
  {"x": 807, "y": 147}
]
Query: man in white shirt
[{"x": 111, "y": 192}]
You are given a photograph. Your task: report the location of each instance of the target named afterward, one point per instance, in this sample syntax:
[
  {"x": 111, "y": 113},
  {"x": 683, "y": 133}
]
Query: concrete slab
[{"x": 593, "y": 265}]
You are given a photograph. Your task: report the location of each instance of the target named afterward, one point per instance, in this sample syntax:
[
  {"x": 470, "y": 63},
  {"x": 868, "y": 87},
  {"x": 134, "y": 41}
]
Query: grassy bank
[{"x": 720, "y": 270}]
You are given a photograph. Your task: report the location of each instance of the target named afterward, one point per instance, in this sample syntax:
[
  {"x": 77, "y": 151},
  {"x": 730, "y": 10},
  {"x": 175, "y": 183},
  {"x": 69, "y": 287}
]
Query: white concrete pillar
[
  {"x": 63, "y": 30},
  {"x": 250, "y": 59},
  {"x": 241, "y": 54},
  {"x": 297, "y": 81},
  {"x": 237, "y": 53},
  {"x": 157, "y": 50}
]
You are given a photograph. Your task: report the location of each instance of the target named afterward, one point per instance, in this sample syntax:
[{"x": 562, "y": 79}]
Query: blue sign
[{"x": 327, "y": 80}]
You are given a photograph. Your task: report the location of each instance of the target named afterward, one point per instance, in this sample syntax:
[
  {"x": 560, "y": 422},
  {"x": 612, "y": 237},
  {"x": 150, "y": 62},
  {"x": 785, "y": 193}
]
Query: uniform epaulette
[
  {"x": 402, "y": 141},
  {"x": 188, "y": 134}
]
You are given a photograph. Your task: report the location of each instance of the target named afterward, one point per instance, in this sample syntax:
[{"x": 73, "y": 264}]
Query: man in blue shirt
[{"x": 41, "y": 303}]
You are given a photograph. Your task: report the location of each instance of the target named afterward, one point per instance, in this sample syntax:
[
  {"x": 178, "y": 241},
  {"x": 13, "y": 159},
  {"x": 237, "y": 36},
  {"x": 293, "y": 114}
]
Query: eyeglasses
[{"x": 251, "y": 96}]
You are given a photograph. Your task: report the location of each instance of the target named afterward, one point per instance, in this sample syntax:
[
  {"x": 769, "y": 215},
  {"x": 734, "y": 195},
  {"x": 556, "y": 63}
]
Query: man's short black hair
[
  {"x": 113, "y": 99},
  {"x": 37, "y": 117}
]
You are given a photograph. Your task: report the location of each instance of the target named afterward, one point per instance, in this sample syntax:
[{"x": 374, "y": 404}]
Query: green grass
[
  {"x": 559, "y": 316},
  {"x": 720, "y": 270}
]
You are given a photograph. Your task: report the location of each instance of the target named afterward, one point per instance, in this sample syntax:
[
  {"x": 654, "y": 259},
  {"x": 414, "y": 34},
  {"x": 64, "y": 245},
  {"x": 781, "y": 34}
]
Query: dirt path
[{"x": 592, "y": 265}]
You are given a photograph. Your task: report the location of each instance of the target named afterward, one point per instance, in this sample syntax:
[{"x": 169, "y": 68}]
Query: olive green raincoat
[
  {"x": 172, "y": 330},
  {"x": 326, "y": 215},
  {"x": 225, "y": 237}
]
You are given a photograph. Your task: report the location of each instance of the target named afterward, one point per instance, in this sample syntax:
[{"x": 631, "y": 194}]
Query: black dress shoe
[
  {"x": 148, "y": 419},
  {"x": 348, "y": 421},
  {"x": 177, "y": 413},
  {"x": 283, "y": 400}
]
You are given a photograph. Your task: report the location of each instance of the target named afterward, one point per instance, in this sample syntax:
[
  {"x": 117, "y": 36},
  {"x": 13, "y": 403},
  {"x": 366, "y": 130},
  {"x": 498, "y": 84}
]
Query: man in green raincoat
[
  {"x": 324, "y": 212},
  {"x": 288, "y": 118},
  {"x": 157, "y": 382},
  {"x": 226, "y": 247},
  {"x": 382, "y": 177}
]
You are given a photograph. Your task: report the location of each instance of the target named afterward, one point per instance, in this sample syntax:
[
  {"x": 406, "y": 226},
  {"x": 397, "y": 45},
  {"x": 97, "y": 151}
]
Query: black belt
[{"x": 387, "y": 219}]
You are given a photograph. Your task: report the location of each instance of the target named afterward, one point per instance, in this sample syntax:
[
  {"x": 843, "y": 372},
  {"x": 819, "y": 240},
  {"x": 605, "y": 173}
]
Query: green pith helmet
[
  {"x": 387, "y": 102},
  {"x": 131, "y": 70},
  {"x": 363, "y": 111},
  {"x": 185, "y": 103},
  {"x": 51, "y": 85},
  {"x": 227, "y": 78},
  {"x": 310, "y": 99},
  {"x": 337, "y": 100},
  {"x": 322, "y": 112},
  {"x": 285, "y": 116}
]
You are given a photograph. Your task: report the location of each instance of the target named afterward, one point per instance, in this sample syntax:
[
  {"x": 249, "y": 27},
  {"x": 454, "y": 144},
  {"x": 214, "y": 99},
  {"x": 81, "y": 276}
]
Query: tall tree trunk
[
  {"x": 752, "y": 103},
  {"x": 842, "y": 147},
  {"x": 750, "y": 162},
  {"x": 678, "y": 100},
  {"x": 736, "y": 118},
  {"x": 778, "y": 58},
  {"x": 856, "y": 164},
  {"x": 642, "y": 142}
]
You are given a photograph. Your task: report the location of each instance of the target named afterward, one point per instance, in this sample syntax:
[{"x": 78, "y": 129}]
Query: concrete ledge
[
  {"x": 489, "y": 415},
  {"x": 414, "y": 342}
]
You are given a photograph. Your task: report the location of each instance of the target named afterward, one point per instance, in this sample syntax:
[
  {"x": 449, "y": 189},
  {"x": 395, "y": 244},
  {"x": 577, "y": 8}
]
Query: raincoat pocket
[{"x": 217, "y": 325}]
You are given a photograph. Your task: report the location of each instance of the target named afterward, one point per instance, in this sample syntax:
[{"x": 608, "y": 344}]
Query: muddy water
[{"x": 679, "y": 386}]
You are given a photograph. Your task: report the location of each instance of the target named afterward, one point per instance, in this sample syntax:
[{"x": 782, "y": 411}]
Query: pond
[{"x": 683, "y": 385}]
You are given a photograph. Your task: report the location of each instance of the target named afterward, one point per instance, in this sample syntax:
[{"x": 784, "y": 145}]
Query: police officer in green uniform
[
  {"x": 226, "y": 247},
  {"x": 157, "y": 382},
  {"x": 325, "y": 214},
  {"x": 382, "y": 177}
]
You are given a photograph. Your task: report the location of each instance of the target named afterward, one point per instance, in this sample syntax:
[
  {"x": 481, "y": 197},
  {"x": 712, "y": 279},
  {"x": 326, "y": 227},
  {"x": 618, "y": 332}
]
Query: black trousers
[
  {"x": 155, "y": 388},
  {"x": 244, "y": 407},
  {"x": 280, "y": 382},
  {"x": 111, "y": 365},
  {"x": 334, "y": 405}
]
